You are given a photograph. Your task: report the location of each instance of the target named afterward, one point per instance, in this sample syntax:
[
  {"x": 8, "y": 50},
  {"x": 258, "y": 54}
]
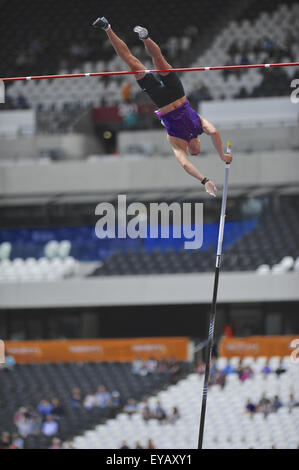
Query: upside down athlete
[{"x": 182, "y": 123}]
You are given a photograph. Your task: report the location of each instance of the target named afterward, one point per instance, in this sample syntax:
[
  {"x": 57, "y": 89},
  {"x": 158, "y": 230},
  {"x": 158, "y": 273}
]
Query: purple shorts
[{"x": 182, "y": 122}]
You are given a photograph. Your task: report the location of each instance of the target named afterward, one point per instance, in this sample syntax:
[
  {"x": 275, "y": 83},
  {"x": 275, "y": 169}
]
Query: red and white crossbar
[{"x": 133, "y": 72}]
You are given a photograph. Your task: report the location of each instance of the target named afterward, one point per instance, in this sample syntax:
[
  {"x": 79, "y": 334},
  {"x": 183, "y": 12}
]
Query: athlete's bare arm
[
  {"x": 179, "y": 147},
  {"x": 211, "y": 130}
]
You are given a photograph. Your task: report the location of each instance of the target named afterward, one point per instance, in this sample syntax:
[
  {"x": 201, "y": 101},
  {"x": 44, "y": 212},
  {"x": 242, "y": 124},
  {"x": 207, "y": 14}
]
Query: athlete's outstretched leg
[
  {"x": 153, "y": 50},
  {"x": 120, "y": 47},
  {"x": 158, "y": 59}
]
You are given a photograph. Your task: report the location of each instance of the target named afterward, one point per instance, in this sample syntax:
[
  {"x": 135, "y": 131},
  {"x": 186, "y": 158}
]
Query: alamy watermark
[
  {"x": 295, "y": 93},
  {"x": 137, "y": 220}
]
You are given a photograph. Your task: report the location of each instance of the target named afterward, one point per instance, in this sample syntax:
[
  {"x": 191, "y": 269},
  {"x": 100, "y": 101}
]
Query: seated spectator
[
  {"x": 76, "y": 399},
  {"x": 17, "y": 442},
  {"x": 201, "y": 367},
  {"x": 276, "y": 403},
  {"x": 220, "y": 379},
  {"x": 147, "y": 413},
  {"x": 162, "y": 366},
  {"x": 174, "y": 415},
  {"x": 57, "y": 408},
  {"x": 19, "y": 415},
  {"x": 25, "y": 425},
  {"x": 266, "y": 369},
  {"x": 138, "y": 445},
  {"x": 44, "y": 408},
  {"x": 56, "y": 443},
  {"x": 150, "y": 444},
  {"x": 5, "y": 440},
  {"x": 103, "y": 397},
  {"x": 250, "y": 407},
  {"x": 159, "y": 413},
  {"x": 50, "y": 426},
  {"x": 131, "y": 407},
  {"x": 90, "y": 401},
  {"x": 68, "y": 444},
  {"x": 138, "y": 367},
  {"x": 246, "y": 373},
  {"x": 151, "y": 365},
  {"x": 264, "y": 405},
  {"x": 124, "y": 445},
  {"x": 9, "y": 362},
  {"x": 228, "y": 369},
  {"x": 21, "y": 102},
  {"x": 36, "y": 423},
  {"x": 280, "y": 369},
  {"x": 174, "y": 367},
  {"x": 115, "y": 399},
  {"x": 292, "y": 402},
  {"x": 213, "y": 367}
]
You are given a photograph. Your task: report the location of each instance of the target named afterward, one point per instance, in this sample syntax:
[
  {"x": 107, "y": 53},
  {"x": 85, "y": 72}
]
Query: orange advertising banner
[
  {"x": 118, "y": 350},
  {"x": 258, "y": 346}
]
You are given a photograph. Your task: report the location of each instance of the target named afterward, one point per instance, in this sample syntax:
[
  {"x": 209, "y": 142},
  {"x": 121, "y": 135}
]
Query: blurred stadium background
[{"x": 77, "y": 313}]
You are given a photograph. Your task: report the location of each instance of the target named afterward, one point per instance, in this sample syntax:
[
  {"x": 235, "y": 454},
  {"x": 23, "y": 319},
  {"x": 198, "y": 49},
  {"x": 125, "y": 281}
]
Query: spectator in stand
[
  {"x": 138, "y": 367},
  {"x": 159, "y": 412},
  {"x": 9, "y": 363},
  {"x": 245, "y": 373},
  {"x": 147, "y": 413},
  {"x": 151, "y": 365},
  {"x": 174, "y": 415},
  {"x": 17, "y": 442},
  {"x": 280, "y": 369},
  {"x": 220, "y": 379},
  {"x": 25, "y": 425},
  {"x": 50, "y": 426},
  {"x": 162, "y": 366},
  {"x": 76, "y": 399},
  {"x": 201, "y": 367},
  {"x": 150, "y": 444},
  {"x": 116, "y": 401},
  {"x": 126, "y": 92},
  {"x": 5, "y": 440},
  {"x": 124, "y": 445},
  {"x": 138, "y": 445},
  {"x": 21, "y": 102},
  {"x": 44, "y": 408},
  {"x": 228, "y": 369},
  {"x": 228, "y": 331},
  {"x": 68, "y": 444},
  {"x": 36, "y": 423},
  {"x": 56, "y": 443},
  {"x": 276, "y": 403},
  {"x": 266, "y": 369},
  {"x": 103, "y": 397},
  {"x": 264, "y": 405},
  {"x": 90, "y": 401},
  {"x": 19, "y": 415},
  {"x": 213, "y": 367},
  {"x": 250, "y": 407},
  {"x": 131, "y": 407},
  {"x": 292, "y": 402},
  {"x": 57, "y": 408}
]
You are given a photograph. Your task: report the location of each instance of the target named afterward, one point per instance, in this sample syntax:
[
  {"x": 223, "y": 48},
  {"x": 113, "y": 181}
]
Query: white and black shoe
[
  {"x": 102, "y": 23},
  {"x": 142, "y": 32}
]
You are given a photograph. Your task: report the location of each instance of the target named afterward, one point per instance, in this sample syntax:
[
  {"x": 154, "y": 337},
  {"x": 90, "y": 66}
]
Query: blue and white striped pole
[{"x": 214, "y": 303}]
